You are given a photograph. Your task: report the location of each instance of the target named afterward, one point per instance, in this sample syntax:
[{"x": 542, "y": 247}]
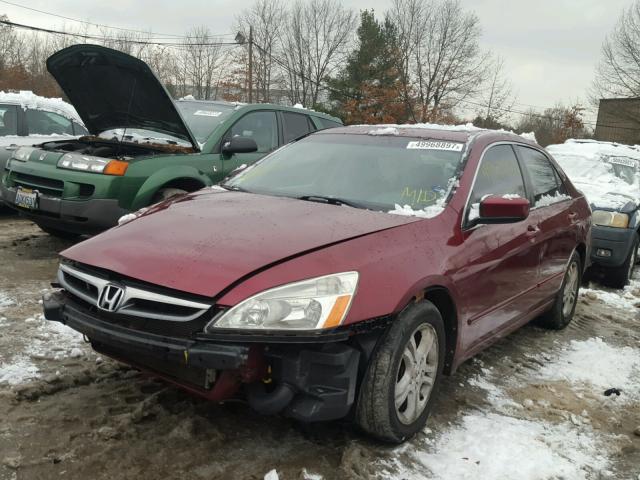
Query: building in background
[{"x": 619, "y": 120}]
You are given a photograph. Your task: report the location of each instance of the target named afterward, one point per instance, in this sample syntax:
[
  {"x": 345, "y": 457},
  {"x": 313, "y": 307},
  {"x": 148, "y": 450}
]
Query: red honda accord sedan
[{"x": 342, "y": 275}]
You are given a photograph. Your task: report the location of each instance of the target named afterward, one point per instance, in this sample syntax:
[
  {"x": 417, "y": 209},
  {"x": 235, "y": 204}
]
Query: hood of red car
[{"x": 207, "y": 241}]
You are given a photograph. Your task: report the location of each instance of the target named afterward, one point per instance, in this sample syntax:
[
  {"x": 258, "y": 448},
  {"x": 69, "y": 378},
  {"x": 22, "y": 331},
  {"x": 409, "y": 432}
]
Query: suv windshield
[
  {"x": 374, "y": 172},
  {"x": 203, "y": 117}
]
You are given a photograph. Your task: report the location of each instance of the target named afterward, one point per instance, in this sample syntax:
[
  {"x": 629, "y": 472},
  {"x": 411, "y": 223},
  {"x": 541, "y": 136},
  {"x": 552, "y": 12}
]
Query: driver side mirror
[
  {"x": 496, "y": 209},
  {"x": 239, "y": 145}
]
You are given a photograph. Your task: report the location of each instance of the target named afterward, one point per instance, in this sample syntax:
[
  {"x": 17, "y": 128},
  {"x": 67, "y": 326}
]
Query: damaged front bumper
[{"x": 313, "y": 380}]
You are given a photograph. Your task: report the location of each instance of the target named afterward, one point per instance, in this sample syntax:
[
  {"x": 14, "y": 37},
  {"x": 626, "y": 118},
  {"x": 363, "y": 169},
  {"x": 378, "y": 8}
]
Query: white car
[{"x": 29, "y": 119}]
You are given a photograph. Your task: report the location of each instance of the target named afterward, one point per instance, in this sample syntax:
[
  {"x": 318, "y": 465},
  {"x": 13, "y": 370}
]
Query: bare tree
[
  {"x": 267, "y": 19},
  {"x": 618, "y": 73},
  {"x": 316, "y": 38},
  {"x": 200, "y": 60},
  {"x": 443, "y": 63},
  {"x": 498, "y": 95}
]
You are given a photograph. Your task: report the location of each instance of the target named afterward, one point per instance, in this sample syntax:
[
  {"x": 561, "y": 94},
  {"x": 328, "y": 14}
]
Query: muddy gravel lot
[{"x": 531, "y": 407}]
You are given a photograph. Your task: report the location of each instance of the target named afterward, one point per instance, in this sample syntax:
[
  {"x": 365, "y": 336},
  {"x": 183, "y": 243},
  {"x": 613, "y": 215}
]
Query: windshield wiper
[{"x": 331, "y": 201}]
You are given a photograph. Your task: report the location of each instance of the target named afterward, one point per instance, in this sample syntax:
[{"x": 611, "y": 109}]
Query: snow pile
[
  {"x": 584, "y": 162},
  {"x": 187, "y": 97},
  {"x": 27, "y": 99},
  {"x": 271, "y": 475},
  {"x": 463, "y": 127},
  {"x": 597, "y": 365},
  {"x": 131, "y": 216},
  {"x": 21, "y": 369},
  {"x": 5, "y": 301},
  {"x": 542, "y": 451},
  {"x": 384, "y": 131},
  {"x": 50, "y": 341},
  {"x": 546, "y": 200},
  {"x": 624, "y": 300},
  {"x": 427, "y": 212}
]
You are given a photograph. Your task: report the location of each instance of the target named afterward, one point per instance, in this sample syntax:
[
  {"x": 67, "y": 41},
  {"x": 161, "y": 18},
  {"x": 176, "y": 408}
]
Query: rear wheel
[
  {"x": 403, "y": 374},
  {"x": 561, "y": 313},
  {"x": 166, "y": 193},
  {"x": 619, "y": 277}
]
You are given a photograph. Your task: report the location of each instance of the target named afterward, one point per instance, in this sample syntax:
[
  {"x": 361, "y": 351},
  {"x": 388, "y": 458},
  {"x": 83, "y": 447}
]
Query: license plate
[{"x": 26, "y": 198}]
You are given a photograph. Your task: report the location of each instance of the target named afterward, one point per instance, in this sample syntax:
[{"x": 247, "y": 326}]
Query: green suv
[{"x": 142, "y": 146}]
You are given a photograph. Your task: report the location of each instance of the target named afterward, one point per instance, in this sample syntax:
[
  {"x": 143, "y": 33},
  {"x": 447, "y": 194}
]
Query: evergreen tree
[{"x": 367, "y": 89}]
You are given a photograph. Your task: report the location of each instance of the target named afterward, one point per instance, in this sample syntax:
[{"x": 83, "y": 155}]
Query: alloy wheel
[
  {"x": 570, "y": 292},
  {"x": 416, "y": 374}
]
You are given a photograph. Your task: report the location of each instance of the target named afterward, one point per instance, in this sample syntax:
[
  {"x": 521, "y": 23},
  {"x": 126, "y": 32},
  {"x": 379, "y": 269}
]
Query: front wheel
[
  {"x": 403, "y": 374},
  {"x": 564, "y": 306},
  {"x": 620, "y": 276}
]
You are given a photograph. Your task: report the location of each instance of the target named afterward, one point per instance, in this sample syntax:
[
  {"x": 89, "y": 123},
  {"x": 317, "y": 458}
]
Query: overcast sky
[{"x": 550, "y": 46}]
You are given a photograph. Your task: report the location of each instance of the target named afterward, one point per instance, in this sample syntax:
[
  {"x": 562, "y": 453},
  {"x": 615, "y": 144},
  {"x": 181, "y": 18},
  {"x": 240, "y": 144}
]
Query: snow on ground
[
  {"x": 5, "y": 301},
  {"x": 51, "y": 341},
  {"x": 27, "y": 99},
  {"x": 520, "y": 449},
  {"x": 623, "y": 299},
  {"x": 586, "y": 164},
  {"x": 594, "y": 364}
]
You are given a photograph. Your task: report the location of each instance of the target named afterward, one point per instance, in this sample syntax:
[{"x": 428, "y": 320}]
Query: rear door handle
[{"x": 573, "y": 216}]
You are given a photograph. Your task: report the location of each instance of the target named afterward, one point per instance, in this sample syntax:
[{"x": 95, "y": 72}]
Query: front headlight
[
  {"x": 85, "y": 163},
  {"x": 22, "y": 154},
  {"x": 610, "y": 219},
  {"x": 312, "y": 304}
]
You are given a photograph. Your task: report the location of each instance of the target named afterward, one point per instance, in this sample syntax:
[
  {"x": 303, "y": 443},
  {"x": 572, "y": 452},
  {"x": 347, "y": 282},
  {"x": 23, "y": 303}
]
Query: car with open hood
[
  {"x": 343, "y": 274},
  {"x": 141, "y": 147},
  {"x": 609, "y": 175}
]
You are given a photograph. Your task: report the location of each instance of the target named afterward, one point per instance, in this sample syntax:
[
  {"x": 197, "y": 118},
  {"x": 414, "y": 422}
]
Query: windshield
[
  {"x": 374, "y": 172},
  {"x": 202, "y": 117}
]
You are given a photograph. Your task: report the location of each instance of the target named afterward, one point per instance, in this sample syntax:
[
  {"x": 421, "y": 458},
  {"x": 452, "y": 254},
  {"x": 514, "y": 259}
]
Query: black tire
[
  {"x": 376, "y": 411},
  {"x": 54, "y": 232},
  {"x": 558, "y": 317},
  {"x": 619, "y": 277},
  {"x": 166, "y": 193}
]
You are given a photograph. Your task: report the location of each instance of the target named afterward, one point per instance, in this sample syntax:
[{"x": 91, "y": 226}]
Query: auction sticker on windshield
[
  {"x": 207, "y": 113},
  {"x": 26, "y": 198},
  {"x": 435, "y": 145},
  {"x": 626, "y": 161}
]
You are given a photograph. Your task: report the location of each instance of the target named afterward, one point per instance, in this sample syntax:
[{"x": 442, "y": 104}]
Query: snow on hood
[
  {"x": 585, "y": 162},
  {"x": 28, "y": 99}
]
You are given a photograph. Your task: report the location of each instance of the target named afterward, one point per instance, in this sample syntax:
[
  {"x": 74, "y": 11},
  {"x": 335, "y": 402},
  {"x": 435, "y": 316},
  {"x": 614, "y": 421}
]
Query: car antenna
[{"x": 124, "y": 131}]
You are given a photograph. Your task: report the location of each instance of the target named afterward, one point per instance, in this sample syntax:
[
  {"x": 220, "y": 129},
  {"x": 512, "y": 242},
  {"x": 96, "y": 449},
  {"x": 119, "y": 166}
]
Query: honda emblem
[{"x": 111, "y": 297}]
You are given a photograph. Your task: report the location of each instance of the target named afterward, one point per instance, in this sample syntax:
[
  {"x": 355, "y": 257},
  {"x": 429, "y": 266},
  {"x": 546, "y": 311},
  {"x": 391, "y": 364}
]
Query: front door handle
[
  {"x": 573, "y": 217},
  {"x": 532, "y": 230}
]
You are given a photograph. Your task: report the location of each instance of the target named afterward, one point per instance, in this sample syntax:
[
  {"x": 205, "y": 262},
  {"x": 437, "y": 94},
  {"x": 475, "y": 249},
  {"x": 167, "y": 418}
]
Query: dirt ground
[{"x": 67, "y": 413}]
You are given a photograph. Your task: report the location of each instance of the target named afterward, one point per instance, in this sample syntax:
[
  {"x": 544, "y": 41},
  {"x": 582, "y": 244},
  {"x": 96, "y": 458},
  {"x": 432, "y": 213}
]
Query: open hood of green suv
[{"x": 111, "y": 89}]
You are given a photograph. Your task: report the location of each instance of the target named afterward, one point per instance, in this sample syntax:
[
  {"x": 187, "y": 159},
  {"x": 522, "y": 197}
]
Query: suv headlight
[
  {"x": 85, "y": 163},
  {"x": 317, "y": 303},
  {"x": 610, "y": 219},
  {"x": 22, "y": 154}
]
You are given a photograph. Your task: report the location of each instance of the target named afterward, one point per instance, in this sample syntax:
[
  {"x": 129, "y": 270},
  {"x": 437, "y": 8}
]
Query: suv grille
[{"x": 48, "y": 186}]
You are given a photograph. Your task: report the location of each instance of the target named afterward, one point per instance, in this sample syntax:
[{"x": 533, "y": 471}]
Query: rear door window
[
  {"x": 40, "y": 122},
  {"x": 295, "y": 125},
  {"x": 260, "y": 126},
  {"x": 547, "y": 184},
  {"x": 8, "y": 120}
]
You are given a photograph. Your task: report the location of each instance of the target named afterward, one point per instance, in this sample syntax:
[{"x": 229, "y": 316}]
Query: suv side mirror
[
  {"x": 239, "y": 145},
  {"x": 502, "y": 209}
]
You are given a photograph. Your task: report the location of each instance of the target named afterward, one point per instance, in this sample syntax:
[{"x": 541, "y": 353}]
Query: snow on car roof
[
  {"x": 462, "y": 131},
  {"x": 587, "y": 163},
  {"x": 28, "y": 99}
]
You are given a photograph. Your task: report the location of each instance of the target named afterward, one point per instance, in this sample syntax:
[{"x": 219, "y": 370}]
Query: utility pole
[{"x": 250, "y": 64}]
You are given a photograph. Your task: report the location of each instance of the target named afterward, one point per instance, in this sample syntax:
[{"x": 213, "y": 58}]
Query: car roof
[
  {"x": 28, "y": 99},
  {"x": 454, "y": 133}
]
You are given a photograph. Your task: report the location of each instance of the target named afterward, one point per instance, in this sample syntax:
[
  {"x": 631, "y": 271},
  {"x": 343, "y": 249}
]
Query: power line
[
  {"x": 166, "y": 35},
  {"x": 103, "y": 38}
]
